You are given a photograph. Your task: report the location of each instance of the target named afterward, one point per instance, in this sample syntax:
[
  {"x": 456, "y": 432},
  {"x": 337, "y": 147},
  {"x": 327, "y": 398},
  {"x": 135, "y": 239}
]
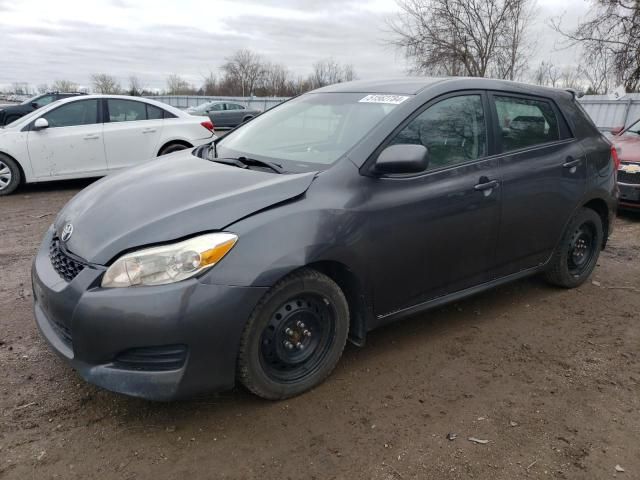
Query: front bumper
[
  {"x": 92, "y": 328},
  {"x": 629, "y": 195}
]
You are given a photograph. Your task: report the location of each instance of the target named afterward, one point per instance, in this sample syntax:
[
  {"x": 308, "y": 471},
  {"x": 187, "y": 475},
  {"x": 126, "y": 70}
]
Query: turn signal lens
[{"x": 169, "y": 263}]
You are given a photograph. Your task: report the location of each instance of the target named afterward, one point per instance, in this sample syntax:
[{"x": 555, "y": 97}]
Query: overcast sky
[{"x": 44, "y": 40}]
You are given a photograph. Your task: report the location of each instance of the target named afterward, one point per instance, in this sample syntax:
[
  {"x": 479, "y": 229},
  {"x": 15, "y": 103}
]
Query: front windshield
[
  {"x": 309, "y": 131},
  {"x": 30, "y": 100},
  {"x": 633, "y": 130}
]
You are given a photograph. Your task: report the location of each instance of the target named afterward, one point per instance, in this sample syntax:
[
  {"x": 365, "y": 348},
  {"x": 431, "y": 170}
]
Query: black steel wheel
[
  {"x": 582, "y": 248},
  {"x": 577, "y": 254},
  {"x": 295, "y": 336}
]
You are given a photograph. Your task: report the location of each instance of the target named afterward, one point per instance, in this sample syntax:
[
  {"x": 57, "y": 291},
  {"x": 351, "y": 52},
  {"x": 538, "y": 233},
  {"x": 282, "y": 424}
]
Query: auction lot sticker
[{"x": 392, "y": 99}]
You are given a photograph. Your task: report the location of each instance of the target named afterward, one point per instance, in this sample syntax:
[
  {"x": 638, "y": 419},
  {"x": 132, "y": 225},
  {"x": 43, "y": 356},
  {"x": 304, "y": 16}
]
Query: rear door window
[
  {"x": 154, "y": 113},
  {"x": 525, "y": 122},
  {"x": 126, "y": 111}
]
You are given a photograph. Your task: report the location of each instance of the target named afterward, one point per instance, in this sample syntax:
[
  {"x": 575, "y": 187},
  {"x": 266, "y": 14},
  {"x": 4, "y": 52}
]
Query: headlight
[{"x": 169, "y": 263}]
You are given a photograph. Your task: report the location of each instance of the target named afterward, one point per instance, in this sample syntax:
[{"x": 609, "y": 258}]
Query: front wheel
[
  {"x": 578, "y": 252},
  {"x": 10, "y": 175},
  {"x": 294, "y": 337}
]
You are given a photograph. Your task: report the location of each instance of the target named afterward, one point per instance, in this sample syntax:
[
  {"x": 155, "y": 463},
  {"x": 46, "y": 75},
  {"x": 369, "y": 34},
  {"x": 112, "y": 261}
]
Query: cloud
[{"x": 43, "y": 41}]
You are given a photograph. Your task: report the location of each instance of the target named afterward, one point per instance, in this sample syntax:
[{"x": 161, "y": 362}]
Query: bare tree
[
  {"x": 611, "y": 30},
  {"x": 275, "y": 79},
  {"x": 599, "y": 73},
  {"x": 176, "y": 85},
  {"x": 209, "y": 84},
  {"x": 245, "y": 69},
  {"x": 64, "y": 86},
  {"x": 135, "y": 86},
  {"x": 464, "y": 37},
  {"x": 329, "y": 71},
  {"x": 547, "y": 74},
  {"x": 105, "y": 83},
  {"x": 20, "y": 88},
  {"x": 43, "y": 88}
]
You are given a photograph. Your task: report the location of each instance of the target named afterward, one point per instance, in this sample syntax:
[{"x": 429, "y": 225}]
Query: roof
[
  {"x": 415, "y": 85},
  {"x": 400, "y": 85}
]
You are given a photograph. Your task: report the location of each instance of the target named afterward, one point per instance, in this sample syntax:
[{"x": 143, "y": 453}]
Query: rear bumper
[{"x": 91, "y": 327}]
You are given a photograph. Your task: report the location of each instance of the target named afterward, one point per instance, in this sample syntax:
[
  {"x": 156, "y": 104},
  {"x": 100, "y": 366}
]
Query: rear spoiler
[{"x": 575, "y": 93}]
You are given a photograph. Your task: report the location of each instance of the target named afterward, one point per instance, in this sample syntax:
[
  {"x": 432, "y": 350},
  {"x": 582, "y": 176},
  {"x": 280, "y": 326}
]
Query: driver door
[{"x": 435, "y": 233}]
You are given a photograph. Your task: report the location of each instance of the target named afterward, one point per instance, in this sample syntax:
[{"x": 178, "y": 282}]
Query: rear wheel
[
  {"x": 10, "y": 175},
  {"x": 173, "y": 147},
  {"x": 578, "y": 252},
  {"x": 294, "y": 337}
]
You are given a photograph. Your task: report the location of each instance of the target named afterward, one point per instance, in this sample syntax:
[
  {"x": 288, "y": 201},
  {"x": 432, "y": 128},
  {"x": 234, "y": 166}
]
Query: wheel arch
[
  {"x": 360, "y": 310},
  {"x": 599, "y": 206},
  {"x": 175, "y": 141},
  {"x": 23, "y": 177}
]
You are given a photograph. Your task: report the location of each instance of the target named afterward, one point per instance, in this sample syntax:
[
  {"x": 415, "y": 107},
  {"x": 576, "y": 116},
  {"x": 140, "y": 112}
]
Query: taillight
[
  {"x": 208, "y": 124},
  {"x": 615, "y": 158}
]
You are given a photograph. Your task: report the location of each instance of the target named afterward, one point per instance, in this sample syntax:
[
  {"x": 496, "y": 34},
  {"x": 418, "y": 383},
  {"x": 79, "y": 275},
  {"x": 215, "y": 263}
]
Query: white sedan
[{"x": 91, "y": 136}]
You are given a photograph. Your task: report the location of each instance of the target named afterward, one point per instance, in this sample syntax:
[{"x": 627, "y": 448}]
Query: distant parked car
[
  {"x": 91, "y": 136},
  {"x": 627, "y": 143},
  {"x": 11, "y": 113},
  {"x": 224, "y": 114}
]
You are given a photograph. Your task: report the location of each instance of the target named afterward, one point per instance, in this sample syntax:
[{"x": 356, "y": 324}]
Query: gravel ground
[{"x": 551, "y": 378}]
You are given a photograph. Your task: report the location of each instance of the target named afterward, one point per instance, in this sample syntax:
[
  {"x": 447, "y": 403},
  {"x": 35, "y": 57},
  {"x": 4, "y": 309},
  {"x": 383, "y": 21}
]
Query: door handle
[
  {"x": 571, "y": 162},
  {"x": 149, "y": 130},
  {"x": 91, "y": 137},
  {"x": 487, "y": 185}
]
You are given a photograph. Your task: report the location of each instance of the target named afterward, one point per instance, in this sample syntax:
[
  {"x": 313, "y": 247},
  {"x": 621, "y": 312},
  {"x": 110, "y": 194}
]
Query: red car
[{"x": 627, "y": 143}]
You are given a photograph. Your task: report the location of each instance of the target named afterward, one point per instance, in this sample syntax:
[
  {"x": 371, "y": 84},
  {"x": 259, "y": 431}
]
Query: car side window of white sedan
[
  {"x": 126, "y": 111},
  {"x": 84, "y": 112}
]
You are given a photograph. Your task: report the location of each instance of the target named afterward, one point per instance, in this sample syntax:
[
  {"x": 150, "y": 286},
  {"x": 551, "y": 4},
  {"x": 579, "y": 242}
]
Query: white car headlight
[{"x": 169, "y": 263}]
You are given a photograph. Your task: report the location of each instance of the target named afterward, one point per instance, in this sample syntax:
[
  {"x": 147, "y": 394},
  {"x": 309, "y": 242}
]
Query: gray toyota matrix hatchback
[{"x": 255, "y": 258}]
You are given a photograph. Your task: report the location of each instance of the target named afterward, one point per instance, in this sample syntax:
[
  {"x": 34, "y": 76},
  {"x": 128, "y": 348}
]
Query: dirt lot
[{"x": 550, "y": 377}]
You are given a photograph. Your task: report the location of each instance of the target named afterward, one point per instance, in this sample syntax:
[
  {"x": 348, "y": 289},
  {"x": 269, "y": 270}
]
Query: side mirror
[
  {"x": 402, "y": 158},
  {"x": 35, "y": 105},
  {"x": 40, "y": 124}
]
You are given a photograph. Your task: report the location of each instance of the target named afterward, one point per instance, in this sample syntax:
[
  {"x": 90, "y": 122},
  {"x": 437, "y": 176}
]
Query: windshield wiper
[{"x": 246, "y": 162}]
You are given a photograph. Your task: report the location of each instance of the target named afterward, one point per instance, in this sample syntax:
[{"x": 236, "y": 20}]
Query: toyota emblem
[{"x": 67, "y": 231}]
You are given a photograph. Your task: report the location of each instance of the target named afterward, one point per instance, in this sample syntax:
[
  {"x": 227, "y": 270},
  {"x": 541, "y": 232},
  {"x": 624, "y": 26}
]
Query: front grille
[
  {"x": 66, "y": 266},
  {"x": 63, "y": 332},
  {"x": 166, "y": 357},
  {"x": 629, "y": 178}
]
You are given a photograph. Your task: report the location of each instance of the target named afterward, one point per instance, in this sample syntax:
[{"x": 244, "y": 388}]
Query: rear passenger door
[
  {"x": 132, "y": 131},
  {"x": 235, "y": 113},
  {"x": 543, "y": 171}
]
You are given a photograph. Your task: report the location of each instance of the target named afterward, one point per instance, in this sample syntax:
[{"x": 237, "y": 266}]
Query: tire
[
  {"x": 577, "y": 254},
  {"x": 247, "y": 118},
  {"x": 10, "y": 175},
  {"x": 305, "y": 308},
  {"x": 173, "y": 147}
]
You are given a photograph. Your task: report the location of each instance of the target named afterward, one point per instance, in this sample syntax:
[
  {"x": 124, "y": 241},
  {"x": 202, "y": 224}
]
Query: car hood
[
  {"x": 628, "y": 147},
  {"x": 167, "y": 199}
]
